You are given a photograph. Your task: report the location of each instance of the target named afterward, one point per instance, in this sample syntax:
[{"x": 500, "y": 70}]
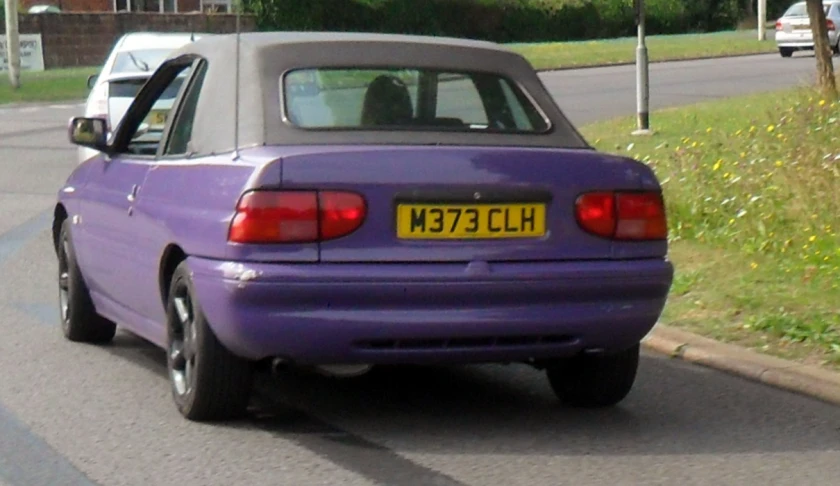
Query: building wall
[
  {"x": 85, "y": 39},
  {"x": 98, "y": 5}
]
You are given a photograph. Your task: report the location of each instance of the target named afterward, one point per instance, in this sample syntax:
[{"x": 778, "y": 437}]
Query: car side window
[
  {"x": 148, "y": 134},
  {"x": 519, "y": 115},
  {"x": 458, "y": 98},
  {"x": 182, "y": 125}
]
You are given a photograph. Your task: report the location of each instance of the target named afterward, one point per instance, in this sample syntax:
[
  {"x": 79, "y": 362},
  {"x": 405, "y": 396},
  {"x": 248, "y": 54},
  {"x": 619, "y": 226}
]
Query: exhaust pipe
[
  {"x": 343, "y": 371},
  {"x": 278, "y": 365}
]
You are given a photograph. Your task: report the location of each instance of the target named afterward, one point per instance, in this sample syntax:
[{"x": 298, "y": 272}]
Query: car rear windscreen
[
  {"x": 801, "y": 10},
  {"x": 407, "y": 99},
  {"x": 128, "y": 88},
  {"x": 145, "y": 60}
]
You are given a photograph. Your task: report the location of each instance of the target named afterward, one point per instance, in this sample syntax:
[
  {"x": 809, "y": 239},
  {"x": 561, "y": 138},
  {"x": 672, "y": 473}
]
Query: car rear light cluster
[
  {"x": 779, "y": 25},
  {"x": 296, "y": 216},
  {"x": 623, "y": 215}
]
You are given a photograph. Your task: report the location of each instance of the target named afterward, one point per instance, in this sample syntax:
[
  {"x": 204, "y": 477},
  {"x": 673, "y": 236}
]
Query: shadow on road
[{"x": 675, "y": 408}]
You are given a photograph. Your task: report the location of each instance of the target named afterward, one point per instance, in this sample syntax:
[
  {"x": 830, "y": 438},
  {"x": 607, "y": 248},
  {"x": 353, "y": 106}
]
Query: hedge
[{"x": 503, "y": 20}]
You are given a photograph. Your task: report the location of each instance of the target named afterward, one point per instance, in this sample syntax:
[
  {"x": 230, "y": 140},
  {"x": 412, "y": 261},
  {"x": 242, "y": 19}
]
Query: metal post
[
  {"x": 642, "y": 84},
  {"x": 762, "y": 20},
  {"x": 13, "y": 43}
]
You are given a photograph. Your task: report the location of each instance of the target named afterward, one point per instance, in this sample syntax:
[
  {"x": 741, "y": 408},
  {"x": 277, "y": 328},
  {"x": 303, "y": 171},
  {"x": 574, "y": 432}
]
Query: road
[
  {"x": 588, "y": 95},
  {"x": 81, "y": 415}
]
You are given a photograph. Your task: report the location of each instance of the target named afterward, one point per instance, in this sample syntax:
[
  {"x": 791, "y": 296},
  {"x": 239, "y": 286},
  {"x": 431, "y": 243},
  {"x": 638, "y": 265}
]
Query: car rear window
[
  {"x": 125, "y": 88},
  {"x": 144, "y": 60},
  {"x": 407, "y": 99},
  {"x": 128, "y": 88},
  {"x": 801, "y": 10}
]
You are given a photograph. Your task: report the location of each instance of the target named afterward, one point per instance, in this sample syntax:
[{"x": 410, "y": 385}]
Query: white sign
[{"x": 31, "y": 53}]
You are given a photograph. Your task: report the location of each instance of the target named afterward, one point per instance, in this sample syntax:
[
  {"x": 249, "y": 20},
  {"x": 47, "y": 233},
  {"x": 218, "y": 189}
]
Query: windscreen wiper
[{"x": 137, "y": 62}]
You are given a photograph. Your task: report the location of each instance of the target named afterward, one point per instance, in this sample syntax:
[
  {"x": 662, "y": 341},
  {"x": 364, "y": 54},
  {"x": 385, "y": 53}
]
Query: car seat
[{"x": 387, "y": 102}]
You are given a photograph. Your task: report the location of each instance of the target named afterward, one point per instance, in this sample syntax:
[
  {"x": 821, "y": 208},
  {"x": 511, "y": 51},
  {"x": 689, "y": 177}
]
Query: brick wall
[
  {"x": 85, "y": 39},
  {"x": 97, "y": 5}
]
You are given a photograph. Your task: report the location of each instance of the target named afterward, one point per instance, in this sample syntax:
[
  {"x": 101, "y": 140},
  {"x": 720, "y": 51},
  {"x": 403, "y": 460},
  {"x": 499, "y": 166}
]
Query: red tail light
[
  {"x": 623, "y": 215},
  {"x": 778, "y": 25},
  {"x": 830, "y": 24},
  {"x": 596, "y": 213},
  {"x": 296, "y": 216}
]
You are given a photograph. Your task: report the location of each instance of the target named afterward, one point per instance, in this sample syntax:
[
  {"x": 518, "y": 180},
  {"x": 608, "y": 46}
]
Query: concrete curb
[
  {"x": 661, "y": 61},
  {"x": 807, "y": 380}
]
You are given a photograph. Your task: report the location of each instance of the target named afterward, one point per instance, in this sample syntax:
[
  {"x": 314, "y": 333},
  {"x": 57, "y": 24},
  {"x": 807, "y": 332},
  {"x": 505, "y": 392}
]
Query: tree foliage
[{"x": 498, "y": 20}]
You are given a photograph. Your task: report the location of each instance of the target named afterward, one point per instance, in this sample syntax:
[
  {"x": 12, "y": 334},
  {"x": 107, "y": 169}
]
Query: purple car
[{"x": 359, "y": 200}]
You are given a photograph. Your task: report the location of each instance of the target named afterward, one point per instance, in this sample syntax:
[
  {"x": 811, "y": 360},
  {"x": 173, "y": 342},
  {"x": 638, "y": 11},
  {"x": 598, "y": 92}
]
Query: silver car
[
  {"x": 793, "y": 29},
  {"x": 132, "y": 61}
]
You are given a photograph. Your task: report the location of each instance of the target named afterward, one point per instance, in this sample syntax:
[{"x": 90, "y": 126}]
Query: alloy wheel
[
  {"x": 64, "y": 283},
  {"x": 183, "y": 345}
]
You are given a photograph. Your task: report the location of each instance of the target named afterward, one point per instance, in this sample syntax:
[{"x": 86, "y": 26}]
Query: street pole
[
  {"x": 762, "y": 19},
  {"x": 12, "y": 43},
  {"x": 642, "y": 84}
]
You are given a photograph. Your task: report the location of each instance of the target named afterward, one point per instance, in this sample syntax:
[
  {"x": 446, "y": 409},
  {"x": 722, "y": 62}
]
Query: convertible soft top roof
[{"x": 265, "y": 56}]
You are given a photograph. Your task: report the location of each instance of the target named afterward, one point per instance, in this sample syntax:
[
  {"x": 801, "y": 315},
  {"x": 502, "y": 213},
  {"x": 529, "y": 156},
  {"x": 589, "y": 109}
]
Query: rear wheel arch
[
  {"x": 172, "y": 256},
  {"x": 59, "y": 216}
]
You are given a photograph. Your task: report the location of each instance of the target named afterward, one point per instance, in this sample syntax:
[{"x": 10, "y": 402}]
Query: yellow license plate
[
  {"x": 470, "y": 221},
  {"x": 157, "y": 118}
]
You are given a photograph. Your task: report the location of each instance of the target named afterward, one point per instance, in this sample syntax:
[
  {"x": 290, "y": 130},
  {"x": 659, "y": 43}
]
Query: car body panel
[
  {"x": 794, "y": 27},
  {"x": 384, "y": 174},
  {"x": 430, "y": 313},
  {"x": 476, "y": 300}
]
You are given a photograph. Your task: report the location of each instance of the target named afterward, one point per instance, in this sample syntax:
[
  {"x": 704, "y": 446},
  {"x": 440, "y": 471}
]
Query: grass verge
[
  {"x": 752, "y": 190},
  {"x": 50, "y": 85},
  {"x": 70, "y": 84},
  {"x": 556, "y": 55}
]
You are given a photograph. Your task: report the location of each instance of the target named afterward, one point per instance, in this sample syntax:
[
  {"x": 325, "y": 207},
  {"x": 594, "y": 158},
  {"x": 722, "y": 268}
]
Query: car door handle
[{"x": 133, "y": 194}]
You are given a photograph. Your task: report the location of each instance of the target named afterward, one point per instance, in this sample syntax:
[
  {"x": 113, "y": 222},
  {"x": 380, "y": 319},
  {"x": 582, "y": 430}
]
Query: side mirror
[
  {"x": 91, "y": 81},
  {"x": 89, "y": 132}
]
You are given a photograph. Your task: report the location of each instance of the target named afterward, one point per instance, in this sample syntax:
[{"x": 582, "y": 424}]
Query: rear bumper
[
  {"x": 802, "y": 40},
  {"x": 429, "y": 313}
]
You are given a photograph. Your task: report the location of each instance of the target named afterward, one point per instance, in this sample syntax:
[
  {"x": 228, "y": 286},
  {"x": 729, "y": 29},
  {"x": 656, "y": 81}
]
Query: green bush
[
  {"x": 497, "y": 20},
  {"x": 775, "y": 8}
]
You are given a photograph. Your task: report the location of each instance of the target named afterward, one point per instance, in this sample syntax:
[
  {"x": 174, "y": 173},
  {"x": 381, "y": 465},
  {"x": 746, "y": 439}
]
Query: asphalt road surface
[
  {"x": 81, "y": 415},
  {"x": 588, "y": 95}
]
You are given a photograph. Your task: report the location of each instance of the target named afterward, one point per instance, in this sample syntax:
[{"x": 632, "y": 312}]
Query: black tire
[
  {"x": 786, "y": 51},
  {"x": 594, "y": 381},
  {"x": 79, "y": 320},
  {"x": 836, "y": 48},
  {"x": 208, "y": 382}
]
